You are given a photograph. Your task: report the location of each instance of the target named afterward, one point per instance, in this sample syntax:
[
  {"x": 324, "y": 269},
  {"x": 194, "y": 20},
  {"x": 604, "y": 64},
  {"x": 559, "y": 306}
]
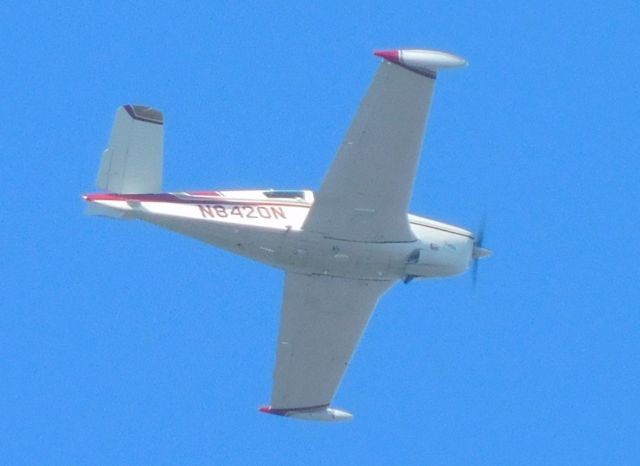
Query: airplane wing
[
  {"x": 322, "y": 320},
  {"x": 364, "y": 198},
  {"x": 366, "y": 192}
]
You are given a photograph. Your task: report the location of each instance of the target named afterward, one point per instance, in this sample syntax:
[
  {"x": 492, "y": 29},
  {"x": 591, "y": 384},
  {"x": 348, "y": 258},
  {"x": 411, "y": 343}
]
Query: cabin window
[{"x": 284, "y": 194}]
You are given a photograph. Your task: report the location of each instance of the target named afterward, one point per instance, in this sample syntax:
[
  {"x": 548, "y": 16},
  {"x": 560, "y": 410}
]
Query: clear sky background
[{"x": 121, "y": 343}]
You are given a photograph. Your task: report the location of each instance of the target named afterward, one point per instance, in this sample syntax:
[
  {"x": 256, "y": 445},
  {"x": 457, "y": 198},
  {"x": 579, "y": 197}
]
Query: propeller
[{"x": 478, "y": 250}]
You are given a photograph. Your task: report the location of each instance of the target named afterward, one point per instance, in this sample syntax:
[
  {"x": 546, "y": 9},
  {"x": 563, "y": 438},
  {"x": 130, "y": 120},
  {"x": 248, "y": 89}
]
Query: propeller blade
[
  {"x": 479, "y": 251},
  {"x": 474, "y": 273}
]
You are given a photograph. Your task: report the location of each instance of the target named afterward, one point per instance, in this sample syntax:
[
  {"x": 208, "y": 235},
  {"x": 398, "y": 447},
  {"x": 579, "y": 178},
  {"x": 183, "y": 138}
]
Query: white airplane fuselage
[{"x": 267, "y": 226}]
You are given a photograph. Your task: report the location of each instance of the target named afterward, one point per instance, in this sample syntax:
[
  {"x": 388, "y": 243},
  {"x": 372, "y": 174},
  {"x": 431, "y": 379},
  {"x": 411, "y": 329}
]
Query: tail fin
[{"x": 132, "y": 164}]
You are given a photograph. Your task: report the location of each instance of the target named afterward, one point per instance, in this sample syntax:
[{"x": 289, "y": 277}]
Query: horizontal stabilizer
[
  {"x": 103, "y": 211},
  {"x": 132, "y": 164}
]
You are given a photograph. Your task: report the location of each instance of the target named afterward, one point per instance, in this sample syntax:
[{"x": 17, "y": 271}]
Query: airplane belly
[
  {"x": 258, "y": 239},
  {"x": 256, "y": 243},
  {"x": 310, "y": 253}
]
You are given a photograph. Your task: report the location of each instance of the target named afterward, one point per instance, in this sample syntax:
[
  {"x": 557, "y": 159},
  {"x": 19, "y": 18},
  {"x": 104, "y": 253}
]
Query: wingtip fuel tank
[
  {"x": 322, "y": 413},
  {"x": 423, "y": 61}
]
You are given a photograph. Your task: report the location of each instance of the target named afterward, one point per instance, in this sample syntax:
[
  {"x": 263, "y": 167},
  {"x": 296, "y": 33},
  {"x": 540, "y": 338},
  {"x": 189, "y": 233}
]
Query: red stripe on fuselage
[
  {"x": 174, "y": 199},
  {"x": 164, "y": 197}
]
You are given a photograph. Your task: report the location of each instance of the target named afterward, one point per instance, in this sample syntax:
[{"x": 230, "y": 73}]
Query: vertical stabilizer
[{"x": 132, "y": 164}]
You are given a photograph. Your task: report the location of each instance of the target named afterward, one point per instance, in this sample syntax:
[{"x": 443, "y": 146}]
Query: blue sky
[{"x": 121, "y": 343}]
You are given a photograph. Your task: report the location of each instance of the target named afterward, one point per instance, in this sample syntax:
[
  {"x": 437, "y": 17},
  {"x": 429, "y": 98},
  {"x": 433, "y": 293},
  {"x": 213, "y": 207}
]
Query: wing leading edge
[{"x": 366, "y": 192}]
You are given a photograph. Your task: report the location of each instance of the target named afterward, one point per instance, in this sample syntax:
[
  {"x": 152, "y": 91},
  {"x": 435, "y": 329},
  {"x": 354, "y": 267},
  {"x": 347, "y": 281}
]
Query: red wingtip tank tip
[
  {"x": 270, "y": 410},
  {"x": 390, "y": 55}
]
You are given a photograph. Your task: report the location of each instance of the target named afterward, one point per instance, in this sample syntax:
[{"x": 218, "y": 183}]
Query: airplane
[{"x": 341, "y": 247}]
